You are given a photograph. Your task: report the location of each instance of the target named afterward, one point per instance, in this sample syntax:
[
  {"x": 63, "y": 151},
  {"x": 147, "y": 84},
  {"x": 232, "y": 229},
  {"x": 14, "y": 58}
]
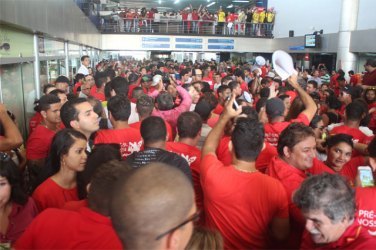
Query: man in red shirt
[
  {"x": 223, "y": 92},
  {"x": 275, "y": 110},
  {"x": 369, "y": 78},
  {"x": 239, "y": 75},
  {"x": 189, "y": 131},
  {"x": 88, "y": 228},
  {"x": 39, "y": 142},
  {"x": 328, "y": 205},
  {"x": 246, "y": 206},
  {"x": 79, "y": 115},
  {"x": 354, "y": 114},
  {"x": 296, "y": 160},
  {"x": 129, "y": 139},
  {"x": 100, "y": 83}
]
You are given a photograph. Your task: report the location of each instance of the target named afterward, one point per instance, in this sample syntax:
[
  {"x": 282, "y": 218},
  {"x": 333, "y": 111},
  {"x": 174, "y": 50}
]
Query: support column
[
  {"x": 36, "y": 66},
  {"x": 66, "y": 59},
  {"x": 349, "y": 19}
]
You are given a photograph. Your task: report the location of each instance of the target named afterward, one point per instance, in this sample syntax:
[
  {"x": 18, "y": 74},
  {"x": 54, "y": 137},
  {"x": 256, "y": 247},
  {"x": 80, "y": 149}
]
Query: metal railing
[{"x": 170, "y": 26}]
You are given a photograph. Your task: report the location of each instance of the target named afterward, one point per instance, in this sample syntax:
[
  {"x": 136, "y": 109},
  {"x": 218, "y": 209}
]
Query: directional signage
[
  {"x": 227, "y": 41},
  {"x": 155, "y": 39},
  {"x": 188, "y": 46},
  {"x": 188, "y": 40},
  {"x": 220, "y": 47}
]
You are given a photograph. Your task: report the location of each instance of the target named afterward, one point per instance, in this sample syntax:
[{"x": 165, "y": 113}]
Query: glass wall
[
  {"x": 50, "y": 70},
  {"x": 18, "y": 92}
]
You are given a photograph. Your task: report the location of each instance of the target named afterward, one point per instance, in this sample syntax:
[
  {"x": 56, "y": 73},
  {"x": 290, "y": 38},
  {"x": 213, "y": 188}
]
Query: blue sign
[
  {"x": 155, "y": 39},
  {"x": 231, "y": 41},
  {"x": 221, "y": 47},
  {"x": 188, "y": 40},
  {"x": 296, "y": 47},
  {"x": 188, "y": 46},
  {"x": 155, "y": 45}
]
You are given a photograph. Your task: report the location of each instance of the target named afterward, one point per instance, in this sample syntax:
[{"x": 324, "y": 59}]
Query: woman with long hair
[
  {"x": 17, "y": 210},
  {"x": 67, "y": 156}
]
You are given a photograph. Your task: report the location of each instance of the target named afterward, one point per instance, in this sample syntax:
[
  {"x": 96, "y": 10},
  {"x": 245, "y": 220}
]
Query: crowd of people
[
  {"x": 255, "y": 21},
  {"x": 193, "y": 155}
]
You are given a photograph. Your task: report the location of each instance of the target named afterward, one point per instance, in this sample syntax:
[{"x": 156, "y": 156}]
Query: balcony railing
[{"x": 167, "y": 26}]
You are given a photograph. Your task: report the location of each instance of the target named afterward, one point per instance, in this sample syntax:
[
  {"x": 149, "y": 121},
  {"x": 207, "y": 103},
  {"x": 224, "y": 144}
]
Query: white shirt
[{"x": 83, "y": 70}]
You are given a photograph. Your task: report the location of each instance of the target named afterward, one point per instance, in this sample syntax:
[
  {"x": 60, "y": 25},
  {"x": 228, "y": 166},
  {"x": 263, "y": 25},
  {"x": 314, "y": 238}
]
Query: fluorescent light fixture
[
  {"x": 207, "y": 0},
  {"x": 210, "y": 4},
  {"x": 159, "y": 1},
  {"x": 176, "y": 1},
  {"x": 230, "y": 6},
  {"x": 240, "y": 1}
]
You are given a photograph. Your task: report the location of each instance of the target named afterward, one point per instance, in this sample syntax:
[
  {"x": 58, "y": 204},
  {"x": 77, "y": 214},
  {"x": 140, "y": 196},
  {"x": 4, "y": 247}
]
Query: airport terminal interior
[{"x": 267, "y": 106}]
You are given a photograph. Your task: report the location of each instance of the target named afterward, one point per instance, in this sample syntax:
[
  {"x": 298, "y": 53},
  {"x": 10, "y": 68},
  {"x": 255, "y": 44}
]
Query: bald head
[{"x": 148, "y": 202}]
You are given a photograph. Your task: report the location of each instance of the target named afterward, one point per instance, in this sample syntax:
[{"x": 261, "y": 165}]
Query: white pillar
[
  {"x": 36, "y": 66},
  {"x": 349, "y": 18},
  {"x": 66, "y": 59}
]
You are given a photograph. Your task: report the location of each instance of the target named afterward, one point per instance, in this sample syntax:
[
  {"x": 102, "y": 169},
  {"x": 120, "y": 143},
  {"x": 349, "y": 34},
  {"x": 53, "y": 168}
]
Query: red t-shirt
[
  {"x": 20, "y": 218},
  {"x": 50, "y": 195},
  {"x": 100, "y": 96},
  {"x": 75, "y": 205},
  {"x": 76, "y": 86},
  {"x": 193, "y": 156},
  {"x": 137, "y": 125},
  {"x": 350, "y": 169},
  {"x": 358, "y": 136},
  {"x": 218, "y": 109},
  {"x": 366, "y": 208},
  {"x": 262, "y": 161},
  {"x": 244, "y": 86},
  {"x": 208, "y": 80},
  {"x": 370, "y": 78},
  {"x": 273, "y": 130},
  {"x": 63, "y": 229},
  {"x": 213, "y": 120},
  {"x": 355, "y": 238},
  {"x": 35, "y": 121},
  {"x": 240, "y": 205},
  {"x": 39, "y": 142},
  {"x": 129, "y": 139},
  {"x": 291, "y": 178}
]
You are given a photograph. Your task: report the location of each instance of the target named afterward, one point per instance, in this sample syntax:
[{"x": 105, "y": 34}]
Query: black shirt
[{"x": 149, "y": 155}]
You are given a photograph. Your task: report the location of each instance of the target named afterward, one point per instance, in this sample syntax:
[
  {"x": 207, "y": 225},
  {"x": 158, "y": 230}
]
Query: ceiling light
[
  {"x": 159, "y": 1},
  {"x": 176, "y": 1},
  {"x": 230, "y": 6},
  {"x": 210, "y": 4},
  {"x": 240, "y": 1}
]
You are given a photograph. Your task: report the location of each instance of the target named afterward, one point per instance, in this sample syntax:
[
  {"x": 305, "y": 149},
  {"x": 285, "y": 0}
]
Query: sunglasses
[{"x": 194, "y": 217}]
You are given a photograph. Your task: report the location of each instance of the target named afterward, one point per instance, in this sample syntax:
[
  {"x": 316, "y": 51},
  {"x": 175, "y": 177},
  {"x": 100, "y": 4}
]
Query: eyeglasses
[
  {"x": 86, "y": 89},
  {"x": 194, "y": 217}
]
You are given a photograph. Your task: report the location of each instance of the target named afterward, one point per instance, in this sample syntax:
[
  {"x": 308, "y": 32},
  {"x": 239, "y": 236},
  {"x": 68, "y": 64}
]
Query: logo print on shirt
[{"x": 190, "y": 160}]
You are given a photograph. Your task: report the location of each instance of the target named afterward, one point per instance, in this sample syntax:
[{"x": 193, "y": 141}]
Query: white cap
[
  {"x": 260, "y": 61},
  {"x": 282, "y": 63},
  {"x": 156, "y": 80}
]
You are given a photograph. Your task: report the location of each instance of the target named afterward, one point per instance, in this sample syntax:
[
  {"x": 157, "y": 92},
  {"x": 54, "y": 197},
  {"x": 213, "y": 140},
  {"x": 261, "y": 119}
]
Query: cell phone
[
  {"x": 235, "y": 105},
  {"x": 366, "y": 176}
]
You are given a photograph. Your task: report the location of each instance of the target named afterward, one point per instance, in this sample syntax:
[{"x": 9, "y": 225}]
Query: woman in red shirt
[
  {"x": 67, "y": 157},
  {"x": 17, "y": 210}
]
